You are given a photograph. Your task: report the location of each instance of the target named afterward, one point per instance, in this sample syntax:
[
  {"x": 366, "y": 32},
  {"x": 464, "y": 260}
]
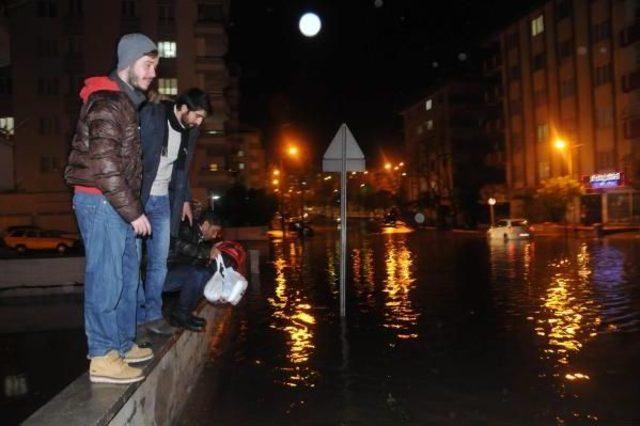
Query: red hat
[{"x": 234, "y": 250}]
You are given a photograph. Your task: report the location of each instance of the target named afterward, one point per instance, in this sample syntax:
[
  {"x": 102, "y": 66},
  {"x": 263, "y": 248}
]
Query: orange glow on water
[
  {"x": 294, "y": 316},
  {"x": 399, "y": 312}
]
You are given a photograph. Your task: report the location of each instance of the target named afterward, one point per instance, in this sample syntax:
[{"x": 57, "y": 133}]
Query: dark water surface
[
  {"x": 42, "y": 350},
  {"x": 440, "y": 329}
]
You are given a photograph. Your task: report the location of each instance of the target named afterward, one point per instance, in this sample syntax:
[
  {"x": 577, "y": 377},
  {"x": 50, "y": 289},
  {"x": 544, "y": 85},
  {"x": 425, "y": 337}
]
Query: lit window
[
  {"x": 537, "y": 25},
  {"x": 6, "y": 125},
  {"x": 241, "y": 166},
  {"x": 167, "y": 49},
  {"x": 542, "y": 132},
  {"x": 544, "y": 170},
  {"x": 428, "y": 104},
  {"x": 213, "y": 167},
  {"x": 168, "y": 86},
  {"x": 240, "y": 153},
  {"x": 429, "y": 124}
]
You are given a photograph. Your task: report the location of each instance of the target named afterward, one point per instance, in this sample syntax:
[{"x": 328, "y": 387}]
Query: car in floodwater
[
  {"x": 26, "y": 238},
  {"x": 510, "y": 229}
]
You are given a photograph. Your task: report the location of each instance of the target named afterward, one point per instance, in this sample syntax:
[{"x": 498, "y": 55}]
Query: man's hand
[
  {"x": 187, "y": 213},
  {"x": 141, "y": 226},
  {"x": 213, "y": 253}
]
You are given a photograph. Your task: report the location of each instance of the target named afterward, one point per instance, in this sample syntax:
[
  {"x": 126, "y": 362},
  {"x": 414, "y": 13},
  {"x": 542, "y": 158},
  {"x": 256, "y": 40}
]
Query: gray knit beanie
[{"x": 132, "y": 47}]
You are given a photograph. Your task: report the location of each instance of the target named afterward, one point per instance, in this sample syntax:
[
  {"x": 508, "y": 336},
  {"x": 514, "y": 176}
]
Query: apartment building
[
  {"x": 447, "y": 148},
  {"x": 571, "y": 101},
  {"x": 69, "y": 40}
]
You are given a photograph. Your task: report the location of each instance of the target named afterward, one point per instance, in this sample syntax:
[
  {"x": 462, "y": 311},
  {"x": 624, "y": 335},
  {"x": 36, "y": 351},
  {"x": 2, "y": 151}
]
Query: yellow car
[{"x": 26, "y": 238}]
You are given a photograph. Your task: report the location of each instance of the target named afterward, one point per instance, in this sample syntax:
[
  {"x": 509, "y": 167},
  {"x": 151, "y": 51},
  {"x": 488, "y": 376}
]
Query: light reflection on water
[
  {"x": 364, "y": 274},
  {"x": 293, "y": 314},
  {"x": 399, "y": 281},
  {"x": 582, "y": 293},
  {"x": 570, "y": 316}
]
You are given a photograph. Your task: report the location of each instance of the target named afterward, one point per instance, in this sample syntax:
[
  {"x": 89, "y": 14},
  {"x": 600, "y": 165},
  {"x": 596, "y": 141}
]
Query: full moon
[{"x": 310, "y": 25}]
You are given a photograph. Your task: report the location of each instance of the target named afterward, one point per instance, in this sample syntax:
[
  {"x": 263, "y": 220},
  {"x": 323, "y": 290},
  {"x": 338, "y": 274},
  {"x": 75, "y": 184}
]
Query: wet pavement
[{"x": 440, "y": 329}]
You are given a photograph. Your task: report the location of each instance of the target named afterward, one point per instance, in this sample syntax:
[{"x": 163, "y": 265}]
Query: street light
[
  {"x": 291, "y": 151},
  {"x": 492, "y": 202},
  {"x": 214, "y": 198},
  {"x": 562, "y": 146}
]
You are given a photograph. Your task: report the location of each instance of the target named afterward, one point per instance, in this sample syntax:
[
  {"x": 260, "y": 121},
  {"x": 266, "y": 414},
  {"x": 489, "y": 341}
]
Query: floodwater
[
  {"x": 441, "y": 328},
  {"x": 42, "y": 350}
]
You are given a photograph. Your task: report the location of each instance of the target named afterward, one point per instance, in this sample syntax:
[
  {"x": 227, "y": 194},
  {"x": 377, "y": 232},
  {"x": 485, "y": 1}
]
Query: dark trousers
[{"x": 190, "y": 281}]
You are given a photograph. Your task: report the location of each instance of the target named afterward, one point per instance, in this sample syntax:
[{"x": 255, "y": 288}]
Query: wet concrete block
[
  {"x": 31, "y": 274},
  {"x": 157, "y": 400}
]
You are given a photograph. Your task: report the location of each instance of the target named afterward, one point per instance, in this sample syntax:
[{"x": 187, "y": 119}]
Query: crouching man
[{"x": 191, "y": 264}]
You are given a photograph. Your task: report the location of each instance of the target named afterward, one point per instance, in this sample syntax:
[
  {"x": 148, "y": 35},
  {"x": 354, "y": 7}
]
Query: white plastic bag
[
  {"x": 213, "y": 288},
  {"x": 226, "y": 285},
  {"x": 234, "y": 286}
]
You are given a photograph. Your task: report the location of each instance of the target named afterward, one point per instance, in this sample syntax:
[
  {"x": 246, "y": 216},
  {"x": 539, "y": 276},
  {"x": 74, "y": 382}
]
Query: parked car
[
  {"x": 510, "y": 229},
  {"x": 296, "y": 225},
  {"x": 23, "y": 238}
]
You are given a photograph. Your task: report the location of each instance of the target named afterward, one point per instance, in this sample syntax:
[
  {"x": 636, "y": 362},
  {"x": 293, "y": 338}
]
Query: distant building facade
[
  {"x": 571, "y": 73},
  {"x": 447, "y": 147}
]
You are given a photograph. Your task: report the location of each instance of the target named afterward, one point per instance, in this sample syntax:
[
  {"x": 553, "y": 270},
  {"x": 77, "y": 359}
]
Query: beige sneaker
[
  {"x": 138, "y": 354},
  {"x": 110, "y": 368}
]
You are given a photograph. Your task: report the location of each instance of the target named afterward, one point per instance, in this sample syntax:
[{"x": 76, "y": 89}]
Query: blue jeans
[
  {"x": 190, "y": 280},
  {"x": 157, "y": 245},
  {"x": 112, "y": 273}
]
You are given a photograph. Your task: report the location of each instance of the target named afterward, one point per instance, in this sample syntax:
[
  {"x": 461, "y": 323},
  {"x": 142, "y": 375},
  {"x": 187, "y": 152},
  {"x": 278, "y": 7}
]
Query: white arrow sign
[
  {"x": 332, "y": 159},
  {"x": 343, "y": 155}
]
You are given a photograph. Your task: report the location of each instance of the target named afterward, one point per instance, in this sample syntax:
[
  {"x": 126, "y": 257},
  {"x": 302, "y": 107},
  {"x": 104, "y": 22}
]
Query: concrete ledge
[
  {"x": 41, "y": 272},
  {"x": 156, "y": 400}
]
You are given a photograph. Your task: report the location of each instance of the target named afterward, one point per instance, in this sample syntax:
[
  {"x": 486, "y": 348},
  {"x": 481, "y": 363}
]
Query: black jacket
[
  {"x": 154, "y": 133},
  {"x": 190, "y": 248}
]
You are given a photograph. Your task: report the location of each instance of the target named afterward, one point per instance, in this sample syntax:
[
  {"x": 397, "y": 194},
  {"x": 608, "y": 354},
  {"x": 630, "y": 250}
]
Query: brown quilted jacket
[{"x": 106, "y": 152}]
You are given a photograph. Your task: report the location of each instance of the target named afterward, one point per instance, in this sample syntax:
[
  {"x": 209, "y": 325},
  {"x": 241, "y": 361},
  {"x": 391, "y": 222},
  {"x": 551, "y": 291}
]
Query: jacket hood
[{"x": 95, "y": 84}]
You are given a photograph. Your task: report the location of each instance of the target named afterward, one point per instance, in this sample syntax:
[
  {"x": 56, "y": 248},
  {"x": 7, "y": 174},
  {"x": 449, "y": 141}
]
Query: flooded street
[{"x": 441, "y": 328}]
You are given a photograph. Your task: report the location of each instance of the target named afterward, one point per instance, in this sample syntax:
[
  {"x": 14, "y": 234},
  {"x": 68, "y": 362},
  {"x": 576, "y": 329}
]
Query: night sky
[{"x": 371, "y": 59}]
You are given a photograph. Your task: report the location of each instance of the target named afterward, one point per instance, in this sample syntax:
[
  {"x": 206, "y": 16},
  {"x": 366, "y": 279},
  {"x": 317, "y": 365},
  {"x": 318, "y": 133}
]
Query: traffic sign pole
[
  {"x": 343, "y": 155},
  {"x": 343, "y": 227}
]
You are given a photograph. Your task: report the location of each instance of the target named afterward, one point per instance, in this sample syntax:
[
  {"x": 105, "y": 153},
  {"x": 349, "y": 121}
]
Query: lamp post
[
  {"x": 291, "y": 151},
  {"x": 492, "y": 202}
]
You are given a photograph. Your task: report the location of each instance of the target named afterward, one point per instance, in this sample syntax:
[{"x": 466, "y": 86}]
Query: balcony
[
  {"x": 213, "y": 60},
  {"x": 631, "y": 81},
  {"x": 630, "y": 35},
  {"x": 209, "y": 27},
  {"x": 631, "y": 110}
]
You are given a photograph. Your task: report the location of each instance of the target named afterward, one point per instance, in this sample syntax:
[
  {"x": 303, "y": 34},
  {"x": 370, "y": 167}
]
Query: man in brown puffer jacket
[{"x": 105, "y": 169}]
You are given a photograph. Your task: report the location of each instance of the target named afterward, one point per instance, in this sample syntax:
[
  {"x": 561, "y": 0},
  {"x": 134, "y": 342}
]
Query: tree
[
  {"x": 246, "y": 207},
  {"x": 383, "y": 200},
  {"x": 554, "y": 195}
]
